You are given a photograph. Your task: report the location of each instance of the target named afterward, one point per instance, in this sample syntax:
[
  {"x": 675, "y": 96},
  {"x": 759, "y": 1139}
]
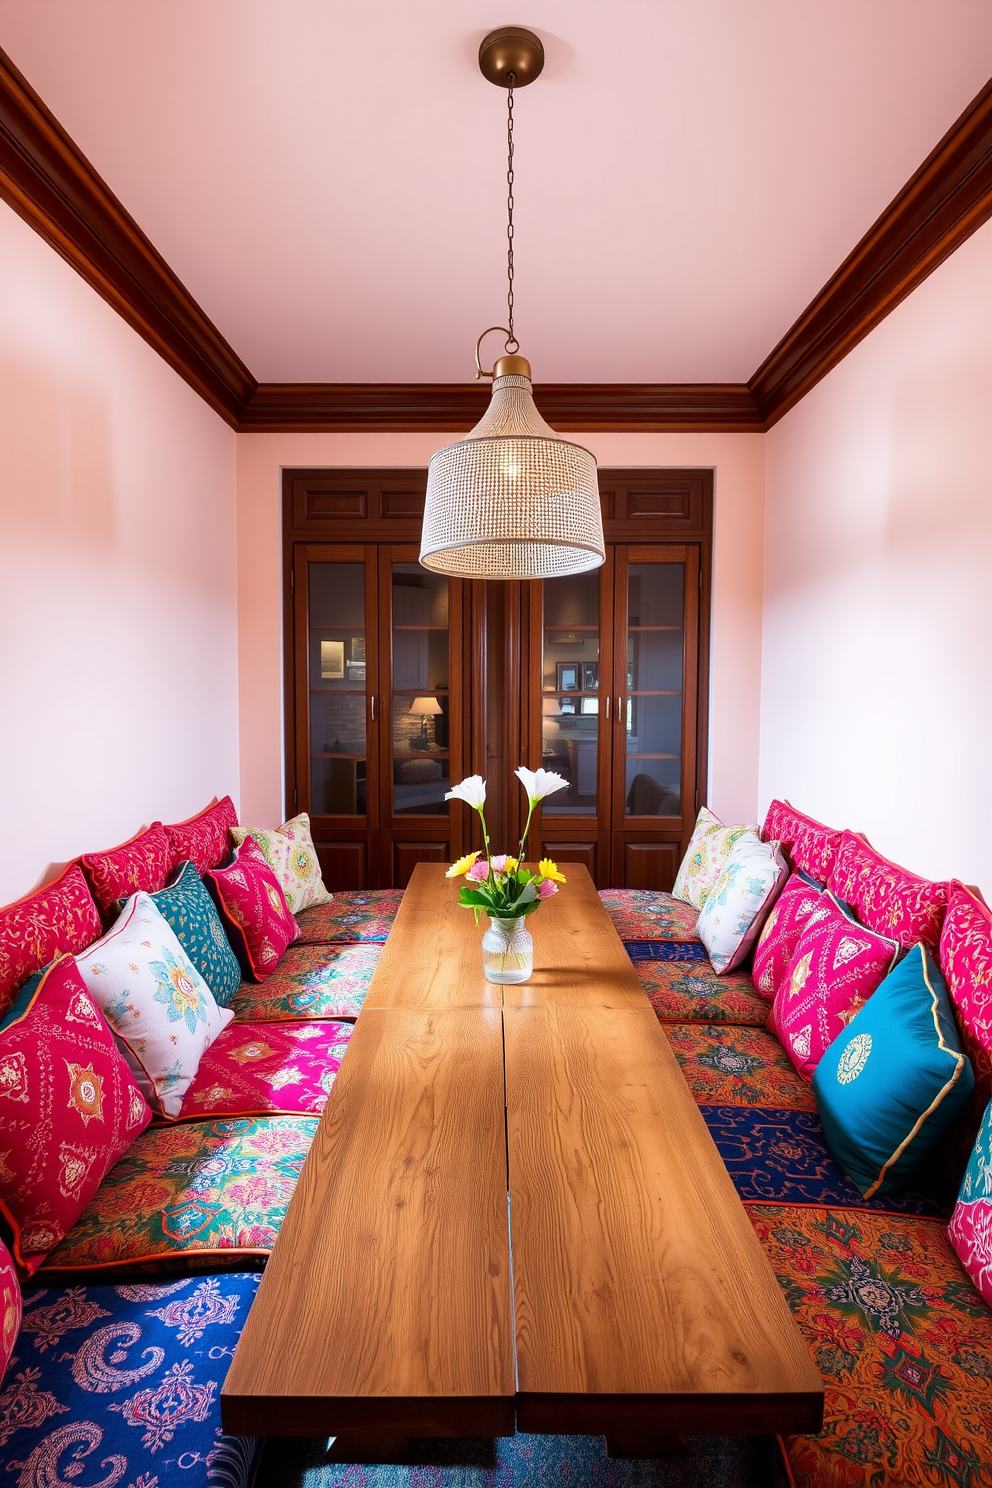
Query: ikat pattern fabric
[
  {"x": 10, "y": 1307},
  {"x": 365, "y": 914},
  {"x": 971, "y": 1224},
  {"x": 788, "y": 918},
  {"x": 69, "y": 1109},
  {"x": 255, "y": 1069},
  {"x": 886, "y": 897},
  {"x": 203, "y": 839},
  {"x": 808, "y": 844},
  {"x": 217, "y": 1188},
  {"x": 186, "y": 906},
  {"x": 736, "y": 906},
  {"x": 966, "y": 962},
  {"x": 58, "y": 919},
  {"x": 731, "y": 1066},
  {"x": 686, "y": 989},
  {"x": 312, "y": 982},
  {"x": 119, "y": 1387},
  {"x": 253, "y": 910},
  {"x": 706, "y": 857},
  {"x": 290, "y": 853},
  {"x": 902, "y": 1340},
  {"x": 162, "y": 1011},
  {"x": 642, "y": 914},
  {"x": 835, "y": 967},
  {"x": 139, "y": 865}
]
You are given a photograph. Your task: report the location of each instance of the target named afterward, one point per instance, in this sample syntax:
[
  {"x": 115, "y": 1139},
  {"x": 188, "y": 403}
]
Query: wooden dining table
[{"x": 514, "y": 1218}]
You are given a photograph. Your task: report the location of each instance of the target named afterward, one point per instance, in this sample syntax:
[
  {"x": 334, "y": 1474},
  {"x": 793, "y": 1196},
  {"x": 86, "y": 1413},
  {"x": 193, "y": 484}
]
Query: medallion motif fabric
[
  {"x": 808, "y": 844},
  {"x": 885, "y": 897},
  {"x": 215, "y": 1190},
  {"x": 162, "y": 1011},
  {"x": 311, "y": 982},
  {"x": 706, "y": 857},
  {"x": 835, "y": 967},
  {"x": 69, "y": 1108},
  {"x": 736, "y": 906},
  {"x": 781, "y": 931},
  {"x": 271, "y": 1068},
  {"x": 142, "y": 864},
  {"x": 203, "y": 839},
  {"x": 684, "y": 988},
  {"x": 58, "y": 919},
  {"x": 966, "y": 962},
  {"x": 119, "y": 1387},
  {"x": 10, "y": 1307},
  {"x": 290, "y": 853},
  {"x": 643, "y": 914},
  {"x": 365, "y": 914},
  {"x": 188, "y": 909},
  {"x": 731, "y": 1066},
  {"x": 253, "y": 910},
  {"x": 971, "y": 1224}
]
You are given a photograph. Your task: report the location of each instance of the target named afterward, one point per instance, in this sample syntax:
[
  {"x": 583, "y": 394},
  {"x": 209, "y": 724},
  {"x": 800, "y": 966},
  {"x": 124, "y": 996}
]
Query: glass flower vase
[{"x": 507, "y": 952}]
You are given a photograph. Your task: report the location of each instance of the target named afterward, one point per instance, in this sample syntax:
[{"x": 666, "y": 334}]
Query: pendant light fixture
[{"x": 511, "y": 500}]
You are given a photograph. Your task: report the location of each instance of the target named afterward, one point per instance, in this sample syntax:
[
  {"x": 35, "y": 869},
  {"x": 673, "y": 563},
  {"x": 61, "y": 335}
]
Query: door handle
[
  {"x": 619, "y": 707},
  {"x": 372, "y": 705},
  {"x": 607, "y": 707}
]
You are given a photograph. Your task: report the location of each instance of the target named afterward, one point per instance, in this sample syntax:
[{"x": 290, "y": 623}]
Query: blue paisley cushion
[
  {"x": 188, "y": 908},
  {"x": 119, "y": 1386}
]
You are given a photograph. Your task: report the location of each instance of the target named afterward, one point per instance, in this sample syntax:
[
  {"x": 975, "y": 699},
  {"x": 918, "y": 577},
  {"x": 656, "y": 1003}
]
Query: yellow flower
[
  {"x": 547, "y": 869},
  {"x": 511, "y": 866},
  {"x": 462, "y": 866}
]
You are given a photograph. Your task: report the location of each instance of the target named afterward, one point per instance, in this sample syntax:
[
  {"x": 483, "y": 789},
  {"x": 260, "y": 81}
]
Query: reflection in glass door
[
  {"x": 570, "y": 696},
  {"x": 421, "y": 771},
  {"x": 655, "y": 661},
  {"x": 336, "y": 654}
]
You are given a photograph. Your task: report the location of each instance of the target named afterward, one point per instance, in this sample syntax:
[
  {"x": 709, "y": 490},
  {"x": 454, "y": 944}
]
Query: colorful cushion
[
  {"x": 682, "y": 986},
  {"x": 10, "y": 1309},
  {"x": 290, "y": 853},
  {"x": 739, "y": 901},
  {"x": 808, "y": 844},
  {"x": 886, "y": 897},
  {"x": 58, "y": 919},
  {"x": 728, "y": 1066},
  {"x": 182, "y": 1193},
  {"x": 781, "y": 931},
  {"x": 253, "y": 910},
  {"x": 643, "y": 914},
  {"x": 155, "y": 1000},
  {"x": 203, "y": 838},
  {"x": 141, "y": 864},
  {"x": 120, "y": 1387},
  {"x": 835, "y": 968},
  {"x": 251, "y": 1069},
  {"x": 69, "y": 1109},
  {"x": 966, "y": 962},
  {"x": 891, "y": 1086},
  {"x": 186, "y": 906},
  {"x": 311, "y": 982},
  {"x": 971, "y": 1223},
  {"x": 365, "y": 914},
  {"x": 706, "y": 857}
]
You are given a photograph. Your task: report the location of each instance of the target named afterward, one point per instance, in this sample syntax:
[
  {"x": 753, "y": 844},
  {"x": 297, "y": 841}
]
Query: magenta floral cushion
[
  {"x": 807, "y": 843},
  {"x": 10, "y": 1307},
  {"x": 253, "y": 910},
  {"x": 143, "y": 863},
  {"x": 966, "y": 962},
  {"x": 781, "y": 931},
  {"x": 203, "y": 839},
  {"x": 885, "y": 897},
  {"x": 970, "y": 1230},
  {"x": 835, "y": 967},
  {"x": 58, "y": 919},
  {"x": 254, "y": 1069}
]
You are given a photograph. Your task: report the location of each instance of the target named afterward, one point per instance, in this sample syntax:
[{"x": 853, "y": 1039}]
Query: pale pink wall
[
  {"x": 118, "y": 634},
  {"x": 738, "y": 460},
  {"x": 877, "y": 672}
]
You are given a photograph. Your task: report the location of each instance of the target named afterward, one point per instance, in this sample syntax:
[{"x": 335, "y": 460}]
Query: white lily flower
[
  {"x": 471, "y": 790},
  {"x": 540, "y": 783}
]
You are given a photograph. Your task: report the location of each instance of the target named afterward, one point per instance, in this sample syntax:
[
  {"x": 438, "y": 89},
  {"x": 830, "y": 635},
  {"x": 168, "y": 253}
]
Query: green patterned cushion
[{"x": 188, "y": 908}]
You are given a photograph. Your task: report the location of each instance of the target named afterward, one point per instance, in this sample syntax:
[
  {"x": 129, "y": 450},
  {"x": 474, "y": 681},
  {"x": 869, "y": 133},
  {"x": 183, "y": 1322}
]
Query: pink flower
[
  {"x": 478, "y": 872},
  {"x": 499, "y": 864},
  {"x": 546, "y": 888}
]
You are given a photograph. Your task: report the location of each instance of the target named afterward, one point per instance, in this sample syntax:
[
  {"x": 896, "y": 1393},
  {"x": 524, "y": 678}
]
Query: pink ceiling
[{"x": 327, "y": 178}]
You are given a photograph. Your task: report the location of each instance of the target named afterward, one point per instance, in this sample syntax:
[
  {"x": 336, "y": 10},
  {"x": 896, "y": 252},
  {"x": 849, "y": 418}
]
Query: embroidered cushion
[
  {"x": 186, "y": 906},
  {"x": 781, "y": 931},
  {"x": 736, "y": 907},
  {"x": 966, "y": 962},
  {"x": 310, "y": 982},
  {"x": 254, "y": 1069},
  {"x": 60, "y": 918},
  {"x": 155, "y": 1000},
  {"x": 365, "y": 914},
  {"x": 253, "y": 910},
  {"x": 140, "y": 864},
  {"x": 10, "y": 1309},
  {"x": 682, "y": 986},
  {"x": 886, "y": 897},
  {"x": 727, "y": 1066},
  {"x": 706, "y": 857},
  {"x": 290, "y": 853},
  {"x": 894, "y": 1081},
  {"x": 69, "y": 1108},
  {"x": 808, "y": 844},
  {"x": 203, "y": 838},
  {"x": 643, "y": 914},
  {"x": 971, "y": 1223},
  {"x": 835, "y": 967}
]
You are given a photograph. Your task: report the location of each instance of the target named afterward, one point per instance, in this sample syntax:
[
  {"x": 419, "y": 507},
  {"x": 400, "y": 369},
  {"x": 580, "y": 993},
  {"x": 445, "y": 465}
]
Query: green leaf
[{"x": 527, "y": 895}]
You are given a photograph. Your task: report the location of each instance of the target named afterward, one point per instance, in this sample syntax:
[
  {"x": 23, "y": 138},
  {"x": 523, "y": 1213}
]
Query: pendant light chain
[{"x": 512, "y": 344}]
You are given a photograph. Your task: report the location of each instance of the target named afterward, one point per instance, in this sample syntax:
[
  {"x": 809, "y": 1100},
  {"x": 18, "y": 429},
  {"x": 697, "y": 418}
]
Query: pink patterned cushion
[
  {"x": 886, "y": 897},
  {"x": 69, "y": 1108},
  {"x": 140, "y": 864},
  {"x": 253, "y": 910},
  {"x": 966, "y": 962},
  {"x": 10, "y": 1307},
  {"x": 261, "y": 1069},
  {"x": 203, "y": 839},
  {"x": 60, "y": 918},
  {"x": 807, "y": 844},
  {"x": 836, "y": 966},
  {"x": 970, "y": 1230},
  {"x": 780, "y": 934}
]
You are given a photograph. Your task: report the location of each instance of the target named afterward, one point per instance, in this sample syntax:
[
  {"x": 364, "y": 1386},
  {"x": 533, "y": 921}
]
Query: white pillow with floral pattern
[
  {"x": 739, "y": 902},
  {"x": 706, "y": 857},
  {"x": 290, "y": 853}
]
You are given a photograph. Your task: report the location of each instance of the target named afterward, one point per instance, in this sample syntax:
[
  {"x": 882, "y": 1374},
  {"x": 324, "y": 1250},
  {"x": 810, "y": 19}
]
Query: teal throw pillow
[
  {"x": 893, "y": 1083},
  {"x": 189, "y": 910}
]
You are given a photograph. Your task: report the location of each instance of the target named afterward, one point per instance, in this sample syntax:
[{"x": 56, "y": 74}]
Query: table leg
[
  {"x": 628, "y": 1444},
  {"x": 371, "y": 1446}
]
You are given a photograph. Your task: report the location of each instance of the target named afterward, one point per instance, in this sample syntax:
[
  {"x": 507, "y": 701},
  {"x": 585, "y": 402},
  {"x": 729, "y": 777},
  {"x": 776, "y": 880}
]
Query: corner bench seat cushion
[
  {"x": 730, "y": 1066},
  {"x": 215, "y": 1189},
  {"x": 310, "y": 982},
  {"x": 362, "y": 914},
  {"x": 682, "y": 986},
  {"x": 885, "y": 897},
  {"x": 644, "y": 914},
  {"x": 120, "y": 1385},
  {"x": 255, "y": 1069},
  {"x": 60, "y": 918}
]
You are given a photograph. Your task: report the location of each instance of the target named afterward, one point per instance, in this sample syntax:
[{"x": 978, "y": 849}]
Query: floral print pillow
[
  {"x": 736, "y": 907},
  {"x": 290, "y": 853},
  {"x": 706, "y": 857},
  {"x": 161, "y": 1010}
]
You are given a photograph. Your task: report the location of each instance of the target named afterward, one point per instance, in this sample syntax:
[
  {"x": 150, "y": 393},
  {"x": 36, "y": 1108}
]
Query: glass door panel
[
  {"x": 337, "y": 691},
  {"x": 570, "y": 696},
  {"x": 653, "y": 723},
  {"x": 421, "y": 771}
]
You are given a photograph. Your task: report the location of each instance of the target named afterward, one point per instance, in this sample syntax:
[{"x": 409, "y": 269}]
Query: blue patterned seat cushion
[{"x": 119, "y": 1387}]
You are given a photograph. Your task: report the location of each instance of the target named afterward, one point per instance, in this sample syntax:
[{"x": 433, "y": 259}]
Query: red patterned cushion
[
  {"x": 966, "y": 961},
  {"x": 253, "y": 910},
  {"x": 142, "y": 863},
  {"x": 60, "y": 918},
  {"x": 781, "y": 931},
  {"x": 886, "y": 897},
  {"x": 69, "y": 1108},
  {"x": 807, "y": 844},
  {"x": 260, "y": 1069},
  {"x": 10, "y": 1307},
  {"x": 203, "y": 839},
  {"x": 836, "y": 966}
]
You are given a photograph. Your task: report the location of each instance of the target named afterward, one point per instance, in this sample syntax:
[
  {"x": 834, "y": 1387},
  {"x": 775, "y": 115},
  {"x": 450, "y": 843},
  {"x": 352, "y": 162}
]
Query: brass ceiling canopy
[{"x": 511, "y": 57}]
